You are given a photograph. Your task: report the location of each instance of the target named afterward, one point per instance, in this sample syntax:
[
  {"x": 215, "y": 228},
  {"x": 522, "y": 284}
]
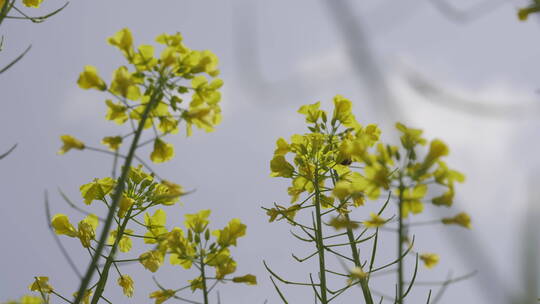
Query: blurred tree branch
[
  {"x": 465, "y": 16},
  {"x": 438, "y": 95},
  {"x": 8, "y": 151}
]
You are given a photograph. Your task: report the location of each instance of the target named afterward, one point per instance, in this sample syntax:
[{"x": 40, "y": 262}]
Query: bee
[{"x": 346, "y": 162}]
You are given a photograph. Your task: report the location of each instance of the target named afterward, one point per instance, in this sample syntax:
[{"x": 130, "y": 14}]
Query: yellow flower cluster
[
  {"x": 174, "y": 77},
  {"x": 184, "y": 248},
  {"x": 340, "y": 164},
  {"x": 27, "y": 3},
  {"x": 27, "y": 300},
  {"x": 192, "y": 246},
  {"x": 337, "y": 145},
  {"x": 154, "y": 92}
]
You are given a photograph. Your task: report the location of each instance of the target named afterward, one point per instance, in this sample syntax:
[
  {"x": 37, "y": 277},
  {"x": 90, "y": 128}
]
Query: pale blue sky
[{"x": 274, "y": 57}]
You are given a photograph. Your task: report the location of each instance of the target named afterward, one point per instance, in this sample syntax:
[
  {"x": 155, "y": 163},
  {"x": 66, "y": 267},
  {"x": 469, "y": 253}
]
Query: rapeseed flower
[
  {"x": 41, "y": 284},
  {"x": 70, "y": 142},
  {"x": 126, "y": 283},
  {"x": 430, "y": 259}
]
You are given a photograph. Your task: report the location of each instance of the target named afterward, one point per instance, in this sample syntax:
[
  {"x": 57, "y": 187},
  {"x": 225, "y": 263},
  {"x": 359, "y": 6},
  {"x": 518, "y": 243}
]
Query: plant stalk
[
  {"x": 203, "y": 276},
  {"x": 108, "y": 263},
  {"x": 363, "y": 282},
  {"x": 399, "y": 298},
  {"x": 119, "y": 189},
  {"x": 319, "y": 239}
]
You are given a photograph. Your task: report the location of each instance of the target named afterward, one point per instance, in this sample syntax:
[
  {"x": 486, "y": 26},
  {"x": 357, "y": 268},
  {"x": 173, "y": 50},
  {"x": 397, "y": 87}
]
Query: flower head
[
  {"x": 162, "y": 295},
  {"x": 374, "y": 221},
  {"x": 89, "y": 79},
  {"x": 126, "y": 283},
  {"x": 41, "y": 284},
  {"x": 32, "y": 3},
  {"x": 70, "y": 142},
  {"x": 430, "y": 259},
  {"x": 248, "y": 279},
  {"x": 461, "y": 219}
]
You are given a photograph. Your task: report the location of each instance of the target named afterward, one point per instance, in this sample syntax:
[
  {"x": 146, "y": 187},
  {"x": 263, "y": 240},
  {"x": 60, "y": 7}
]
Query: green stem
[
  {"x": 100, "y": 287},
  {"x": 356, "y": 258},
  {"x": 203, "y": 276},
  {"x": 5, "y": 9},
  {"x": 319, "y": 239},
  {"x": 400, "y": 242},
  {"x": 119, "y": 189}
]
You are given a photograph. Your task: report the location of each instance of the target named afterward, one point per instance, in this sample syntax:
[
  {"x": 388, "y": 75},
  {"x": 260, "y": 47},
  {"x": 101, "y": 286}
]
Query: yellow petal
[
  {"x": 70, "y": 142},
  {"x": 162, "y": 151}
]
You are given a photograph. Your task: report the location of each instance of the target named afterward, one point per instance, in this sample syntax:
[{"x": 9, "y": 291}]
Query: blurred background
[{"x": 465, "y": 71}]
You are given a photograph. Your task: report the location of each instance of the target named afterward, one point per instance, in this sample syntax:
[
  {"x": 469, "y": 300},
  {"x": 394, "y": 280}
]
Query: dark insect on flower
[{"x": 346, "y": 162}]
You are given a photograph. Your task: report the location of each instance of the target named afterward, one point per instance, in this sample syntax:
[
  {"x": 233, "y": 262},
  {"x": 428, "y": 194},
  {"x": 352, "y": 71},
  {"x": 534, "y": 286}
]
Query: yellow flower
[
  {"x": 353, "y": 186},
  {"x": 203, "y": 117},
  {"x": 87, "y": 229},
  {"x": 113, "y": 142},
  {"x": 412, "y": 199},
  {"x": 126, "y": 283},
  {"x": 70, "y": 142},
  {"x": 125, "y": 84},
  {"x": 356, "y": 274},
  {"x": 167, "y": 193},
  {"x": 31, "y": 300},
  {"x": 168, "y": 124},
  {"x": 32, "y": 3},
  {"x": 86, "y": 297},
  {"x": 461, "y": 219},
  {"x": 124, "y": 205},
  {"x": 411, "y": 137},
  {"x": 377, "y": 177},
  {"x": 197, "y": 221},
  {"x": 228, "y": 235},
  {"x": 97, "y": 189},
  {"x": 155, "y": 225},
  {"x": 162, "y": 151},
  {"x": 228, "y": 266},
  {"x": 61, "y": 225},
  {"x": 205, "y": 92},
  {"x": 375, "y": 221},
  {"x": 445, "y": 199},
  {"x": 282, "y": 147},
  {"x": 248, "y": 279},
  {"x": 196, "y": 283},
  {"x": 170, "y": 40},
  {"x": 162, "y": 295},
  {"x": 144, "y": 59},
  {"x": 341, "y": 222},
  {"x": 312, "y": 112},
  {"x": 182, "y": 250},
  {"x": 343, "y": 112},
  {"x": 437, "y": 149},
  {"x": 116, "y": 112},
  {"x": 137, "y": 175},
  {"x": 151, "y": 260},
  {"x": 41, "y": 284},
  {"x": 202, "y": 61},
  {"x": 125, "y": 242},
  {"x": 430, "y": 259},
  {"x": 281, "y": 167},
  {"x": 123, "y": 40},
  {"x": 89, "y": 79},
  {"x": 445, "y": 176},
  {"x": 287, "y": 213}
]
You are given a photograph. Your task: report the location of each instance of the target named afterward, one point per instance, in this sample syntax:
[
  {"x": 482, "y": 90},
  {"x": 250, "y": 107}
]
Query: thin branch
[
  {"x": 8, "y": 151},
  {"x": 57, "y": 239}
]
